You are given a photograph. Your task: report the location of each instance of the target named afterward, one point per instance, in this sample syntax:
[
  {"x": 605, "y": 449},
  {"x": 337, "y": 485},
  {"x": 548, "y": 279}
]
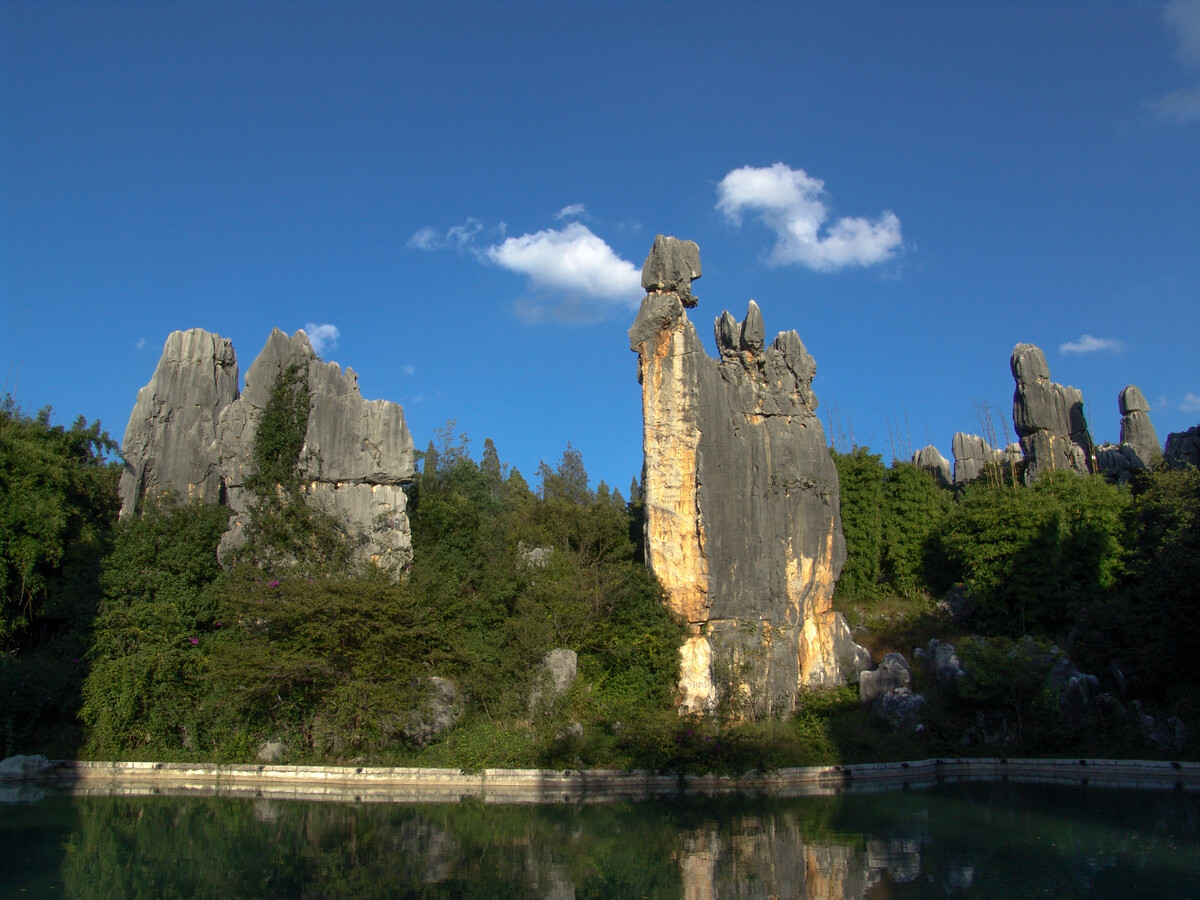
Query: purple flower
[
  {"x": 194, "y": 641},
  {"x": 274, "y": 584}
]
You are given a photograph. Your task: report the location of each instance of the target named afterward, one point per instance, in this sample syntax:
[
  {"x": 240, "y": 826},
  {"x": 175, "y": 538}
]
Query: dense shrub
[{"x": 1032, "y": 558}]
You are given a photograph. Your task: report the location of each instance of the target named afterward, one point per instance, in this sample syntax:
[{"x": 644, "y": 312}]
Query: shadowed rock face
[
  {"x": 168, "y": 443},
  {"x": 191, "y": 431},
  {"x": 1048, "y": 417},
  {"x": 743, "y": 522}
]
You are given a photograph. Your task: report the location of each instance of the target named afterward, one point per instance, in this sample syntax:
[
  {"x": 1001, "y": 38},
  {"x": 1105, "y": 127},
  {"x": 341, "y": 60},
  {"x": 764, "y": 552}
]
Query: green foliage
[
  {"x": 1031, "y": 558},
  {"x": 57, "y": 506},
  {"x": 1151, "y": 627},
  {"x": 325, "y": 664},
  {"x": 146, "y": 679},
  {"x": 861, "y": 476},
  {"x": 914, "y": 508},
  {"x": 287, "y": 532}
]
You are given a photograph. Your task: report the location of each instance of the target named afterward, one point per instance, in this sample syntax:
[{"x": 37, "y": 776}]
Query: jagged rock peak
[
  {"x": 193, "y": 433},
  {"x": 931, "y": 460},
  {"x": 1048, "y": 417},
  {"x": 671, "y": 266},
  {"x": 743, "y": 523},
  {"x": 356, "y": 454},
  {"x": 168, "y": 442}
]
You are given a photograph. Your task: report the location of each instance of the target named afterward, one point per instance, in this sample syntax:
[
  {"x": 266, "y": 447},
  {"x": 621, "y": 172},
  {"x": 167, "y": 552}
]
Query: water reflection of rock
[{"x": 769, "y": 857}]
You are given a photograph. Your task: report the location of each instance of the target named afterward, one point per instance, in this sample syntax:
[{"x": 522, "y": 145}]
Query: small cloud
[
  {"x": 457, "y": 237},
  {"x": 1191, "y": 403},
  {"x": 1089, "y": 344},
  {"x": 322, "y": 337},
  {"x": 141, "y": 343},
  {"x": 1179, "y": 106},
  {"x": 793, "y": 204},
  {"x": 1182, "y": 17},
  {"x": 408, "y": 368},
  {"x": 574, "y": 211},
  {"x": 567, "y": 268}
]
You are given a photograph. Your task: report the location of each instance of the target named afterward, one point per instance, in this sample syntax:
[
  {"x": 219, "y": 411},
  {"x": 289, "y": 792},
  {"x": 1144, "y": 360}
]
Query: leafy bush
[{"x": 1031, "y": 558}]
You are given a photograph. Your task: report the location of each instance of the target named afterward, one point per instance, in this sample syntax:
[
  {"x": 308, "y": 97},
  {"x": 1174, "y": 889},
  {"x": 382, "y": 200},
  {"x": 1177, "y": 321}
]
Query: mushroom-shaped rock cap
[
  {"x": 672, "y": 266},
  {"x": 1028, "y": 363},
  {"x": 1132, "y": 400}
]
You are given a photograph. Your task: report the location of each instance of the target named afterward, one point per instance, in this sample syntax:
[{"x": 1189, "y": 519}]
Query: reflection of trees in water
[{"x": 981, "y": 840}]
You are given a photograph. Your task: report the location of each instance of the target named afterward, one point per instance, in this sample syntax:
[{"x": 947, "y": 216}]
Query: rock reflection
[{"x": 965, "y": 840}]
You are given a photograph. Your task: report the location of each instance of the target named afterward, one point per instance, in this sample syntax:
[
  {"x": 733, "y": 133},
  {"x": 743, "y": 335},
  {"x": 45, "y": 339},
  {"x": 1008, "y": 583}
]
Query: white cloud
[
  {"x": 1183, "y": 16},
  {"x": 567, "y": 267},
  {"x": 574, "y": 211},
  {"x": 1191, "y": 403},
  {"x": 322, "y": 337},
  {"x": 457, "y": 237},
  {"x": 408, "y": 368},
  {"x": 141, "y": 343},
  {"x": 1179, "y": 106},
  {"x": 1183, "y": 105},
  {"x": 793, "y": 204},
  {"x": 1089, "y": 344}
]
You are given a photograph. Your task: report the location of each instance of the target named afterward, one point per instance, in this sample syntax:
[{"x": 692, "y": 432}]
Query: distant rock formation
[
  {"x": 1138, "y": 448},
  {"x": 743, "y": 523},
  {"x": 1137, "y": 431},
  {"x": 972, "y": 454},
  {"x": 191, "y": 431},
  {"x": 1183, "y": 448},
  {"x": 931, "y": 460},
  {"x": 1048, "y": 417},
  {"x": 168, "y": 443}
]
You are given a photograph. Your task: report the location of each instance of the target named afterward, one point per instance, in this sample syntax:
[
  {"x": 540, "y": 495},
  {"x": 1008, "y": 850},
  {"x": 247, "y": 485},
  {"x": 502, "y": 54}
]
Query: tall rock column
[
  {"x": 168, "y": 443},
  {"x": 1137, "y": 431},
  {"x": 743, "y": 524},
  {"x": 1048, "y": 417}
]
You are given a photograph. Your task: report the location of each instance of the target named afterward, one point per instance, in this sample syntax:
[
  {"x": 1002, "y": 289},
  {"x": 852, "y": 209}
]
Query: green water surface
[{"x": 964, "y": 840}]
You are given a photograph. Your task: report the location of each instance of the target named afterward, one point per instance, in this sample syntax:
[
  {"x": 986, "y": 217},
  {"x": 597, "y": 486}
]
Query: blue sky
[{"x": 464, "y": 193}]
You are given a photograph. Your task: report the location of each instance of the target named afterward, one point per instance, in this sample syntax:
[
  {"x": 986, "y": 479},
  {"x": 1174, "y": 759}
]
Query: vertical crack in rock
[
  {"x": 743, "y": 524},
  {"x": 192, "y": 432}
]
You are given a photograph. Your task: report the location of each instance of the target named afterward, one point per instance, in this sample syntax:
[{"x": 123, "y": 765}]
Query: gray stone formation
[
  {"x": 191, "y": 432},
  {"x": 168, "y": 444},
  {"x": 1048, "y": 417},
  {"x": 1138, "y": 448},
  {"x": 743, "y": 523},
  {"x": 1183, "y": 448},
  {"x": 971, "y": 454},
  {"x": 1137, "y": 431},
  {"x": 931, "y": 460}
]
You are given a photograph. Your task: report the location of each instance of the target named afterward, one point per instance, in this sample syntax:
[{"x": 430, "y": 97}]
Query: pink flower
[
  {"x": 274, "y": 584},
  {"x": 194, "y": 641}
]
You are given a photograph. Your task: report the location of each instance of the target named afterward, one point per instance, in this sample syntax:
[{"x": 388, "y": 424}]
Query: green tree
[
  {"x": 914, "y": 508},
  {"x": 1032, "y": 557},
  {"x": 861, "y": 476},
  {"x": 145, "y": 684},
  {"x": 58, "y": 503}
]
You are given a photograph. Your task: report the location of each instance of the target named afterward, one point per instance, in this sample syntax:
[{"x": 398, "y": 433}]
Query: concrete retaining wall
[{"x": 395, "y": 784}]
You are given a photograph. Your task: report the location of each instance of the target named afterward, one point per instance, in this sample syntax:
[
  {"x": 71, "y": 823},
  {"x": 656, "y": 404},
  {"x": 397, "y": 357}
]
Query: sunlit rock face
[
  {"x": 168, "y": 443},
  {"x": 1048, "y": 417},
  {"x": 741, "y": 498},
  {"x": 193, "y": 433}
]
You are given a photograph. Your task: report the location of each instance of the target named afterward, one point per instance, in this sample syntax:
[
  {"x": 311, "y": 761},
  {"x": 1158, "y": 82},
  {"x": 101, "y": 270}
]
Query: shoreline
[{"x": 368, "y": 784}]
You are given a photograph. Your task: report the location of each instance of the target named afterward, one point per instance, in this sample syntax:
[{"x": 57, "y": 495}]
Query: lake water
[{"x": 958, "y": 840}]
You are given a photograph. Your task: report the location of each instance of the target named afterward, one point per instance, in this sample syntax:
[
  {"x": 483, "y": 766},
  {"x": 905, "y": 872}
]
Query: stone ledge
[{"x": 407, "y": 784}]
